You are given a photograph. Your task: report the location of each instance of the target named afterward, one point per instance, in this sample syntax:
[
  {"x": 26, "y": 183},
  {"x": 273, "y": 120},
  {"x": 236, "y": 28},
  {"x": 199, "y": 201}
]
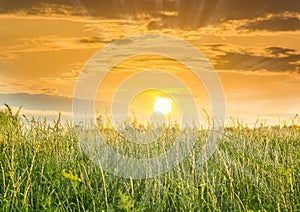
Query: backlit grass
[{"x": 43, "y": 168}]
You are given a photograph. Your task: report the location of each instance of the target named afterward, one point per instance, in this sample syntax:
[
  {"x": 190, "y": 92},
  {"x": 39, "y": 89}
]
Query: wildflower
[{"x": 70, "y": 176}]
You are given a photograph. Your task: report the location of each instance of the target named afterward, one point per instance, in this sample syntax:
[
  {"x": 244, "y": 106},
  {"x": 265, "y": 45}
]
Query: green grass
[{"x": 43, "y": 168}]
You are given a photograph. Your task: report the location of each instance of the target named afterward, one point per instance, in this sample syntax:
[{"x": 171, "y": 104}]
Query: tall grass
[{"x": 43, "y": 168}]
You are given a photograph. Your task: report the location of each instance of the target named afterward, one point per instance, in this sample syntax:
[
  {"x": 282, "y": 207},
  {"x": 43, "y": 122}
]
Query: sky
[{"x": 254, "y": 46}]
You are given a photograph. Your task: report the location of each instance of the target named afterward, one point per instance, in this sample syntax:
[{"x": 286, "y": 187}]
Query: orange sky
[{"x": 44, "y": 47}]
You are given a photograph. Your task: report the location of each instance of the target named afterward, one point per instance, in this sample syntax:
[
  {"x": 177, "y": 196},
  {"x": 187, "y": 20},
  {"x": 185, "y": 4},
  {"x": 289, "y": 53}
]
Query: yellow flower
[{"x": 71, "y": 176}]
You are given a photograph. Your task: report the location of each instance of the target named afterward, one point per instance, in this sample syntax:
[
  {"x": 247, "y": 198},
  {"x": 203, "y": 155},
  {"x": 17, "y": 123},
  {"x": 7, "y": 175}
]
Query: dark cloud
[
  {"x": 215, "y": 46},
  {"x": 123, "y": 42},
  {"x": 91, "y": 40},
  {"x": 280, "y": 51},
  {"x": 274, "y": 24},
  {"x": 99, "y": 40},
  {"x": 43, "y": 7},
  {"x": 194, "y": 12},
  {"x": 249, "y": 62},
  {"x": 49, "y": 90},
  {"x": 189, "y": 13}
]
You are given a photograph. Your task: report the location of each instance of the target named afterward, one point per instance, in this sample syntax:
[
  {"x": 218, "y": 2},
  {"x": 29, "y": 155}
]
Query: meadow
[{"x": 44, "y": 168}]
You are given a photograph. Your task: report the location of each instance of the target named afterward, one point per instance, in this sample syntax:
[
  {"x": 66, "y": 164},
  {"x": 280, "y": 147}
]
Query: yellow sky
[{"x": 44, "y": 53}]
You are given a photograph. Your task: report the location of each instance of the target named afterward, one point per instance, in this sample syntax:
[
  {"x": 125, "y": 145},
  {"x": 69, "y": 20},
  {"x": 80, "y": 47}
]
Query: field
[{"x": 43, "y": 168}]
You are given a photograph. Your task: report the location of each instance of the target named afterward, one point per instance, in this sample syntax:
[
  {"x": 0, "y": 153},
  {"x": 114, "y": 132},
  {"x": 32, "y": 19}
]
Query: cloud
[
  {"x": 275, "y": 23},
  {"x": 50, "y": 43},
  {"x": 198, "y": 13},
  {"x": 5, "y": 57},
  {"x": 277, "y": 51},
  {"x": 50, "y": 91},
  {"x": 123, "y": 42},
  {"x": 9, "y": 85},
  {"x": 275, "y": 59},
  {"x": 186, "y": 14},
  {"x": 65, "y": 79},
  {"x": 59, "y": 85},
  {"x": 44, "y": 34},
  {"x": 255, "y": 58},
  {"x": 91, "y": 40},
  {"x": 39, "y": 7}
]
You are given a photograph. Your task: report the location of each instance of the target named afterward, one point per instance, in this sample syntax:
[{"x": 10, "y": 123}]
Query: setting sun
[{"x": 163, "y": 105}]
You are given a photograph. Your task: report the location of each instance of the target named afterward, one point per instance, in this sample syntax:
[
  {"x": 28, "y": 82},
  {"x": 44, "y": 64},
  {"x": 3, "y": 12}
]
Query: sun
[{"x": 163, "y": 105}]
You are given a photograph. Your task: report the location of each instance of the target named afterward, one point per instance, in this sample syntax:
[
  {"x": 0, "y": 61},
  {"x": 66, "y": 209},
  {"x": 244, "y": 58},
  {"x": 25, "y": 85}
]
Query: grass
[{"x": 43, "y": 168}]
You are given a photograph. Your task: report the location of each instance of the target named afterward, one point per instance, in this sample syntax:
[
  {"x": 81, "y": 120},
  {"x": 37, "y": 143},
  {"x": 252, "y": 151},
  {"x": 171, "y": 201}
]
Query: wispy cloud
[
  {"x": 255, "y": 58},
  {"x": 51, "y": 8},
  {"x": 184, "y": 14},
  {"x": 244, "y": 61},
  {"x": 279, "y": 51},
  {"x": 5, "y": 56},
  {"x": 277, "y": 22}
]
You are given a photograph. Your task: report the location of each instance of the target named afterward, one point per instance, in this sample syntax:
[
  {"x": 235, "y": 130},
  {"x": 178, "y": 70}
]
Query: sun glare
[{"x": 163, "y": 105}]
